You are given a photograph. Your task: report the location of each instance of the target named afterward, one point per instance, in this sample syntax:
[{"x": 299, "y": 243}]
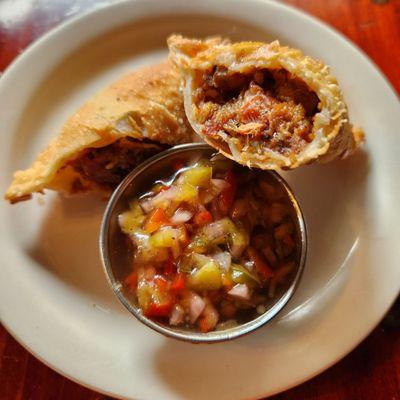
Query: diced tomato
[
  {"x": 159, "y": 310},
  {"x": 131, "y": 280},
  {"x": 204, "y": 325},
  {"x": 169, "y": 267},
  {"x": 161, "y": 282},
  {"x": 227, "y": 196},
  {"x": 203, "y": 218},
  {"x": 261, "y": 266},
  {"x": 178, "y": 283},
  {"x": 156, "y": 220},
  {"x": 178, "y": 164}
]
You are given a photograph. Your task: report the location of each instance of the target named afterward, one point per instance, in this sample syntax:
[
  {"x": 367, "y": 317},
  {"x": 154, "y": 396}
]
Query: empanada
[
  {"x": 134, "y": 118},
  {"x": 263, "y": 105}
]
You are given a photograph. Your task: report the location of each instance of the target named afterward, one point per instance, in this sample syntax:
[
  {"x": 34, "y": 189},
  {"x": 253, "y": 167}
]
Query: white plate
[{"x": 53, "y": 294}]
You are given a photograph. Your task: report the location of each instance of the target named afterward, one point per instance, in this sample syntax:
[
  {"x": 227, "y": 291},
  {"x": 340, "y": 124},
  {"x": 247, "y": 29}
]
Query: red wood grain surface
[{"x": 372, "y": 370}]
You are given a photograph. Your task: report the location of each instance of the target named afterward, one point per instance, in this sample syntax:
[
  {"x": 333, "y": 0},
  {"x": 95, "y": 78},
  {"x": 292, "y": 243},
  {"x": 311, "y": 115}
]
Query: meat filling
[
  {"x": 269, "y": 107},
  {"x": 107, "y": 166}
]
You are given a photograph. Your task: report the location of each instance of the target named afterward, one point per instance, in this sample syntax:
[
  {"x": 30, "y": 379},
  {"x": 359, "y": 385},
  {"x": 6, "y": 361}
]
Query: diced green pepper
[
  {"x": 199, "y": 260},
  {"x": 219, "y": 232},
  {"x": 199, "y": 244},
  {"x": 241, "y": 274},
  {"x": 208, "y": 277}
]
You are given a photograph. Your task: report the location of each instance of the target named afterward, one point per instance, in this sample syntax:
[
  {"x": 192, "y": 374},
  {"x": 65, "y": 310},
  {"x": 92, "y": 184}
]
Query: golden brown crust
[
  {"x": 333, "y": 136},
  {"x": 145, "y": 104}
]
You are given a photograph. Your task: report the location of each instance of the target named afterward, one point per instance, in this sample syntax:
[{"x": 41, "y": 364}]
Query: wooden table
[{"x": 372, "y": 371}]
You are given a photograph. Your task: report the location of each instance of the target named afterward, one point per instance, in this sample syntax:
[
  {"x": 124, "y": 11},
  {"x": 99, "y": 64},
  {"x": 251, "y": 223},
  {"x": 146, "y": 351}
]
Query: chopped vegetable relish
[{"x": 211, "y": 245}]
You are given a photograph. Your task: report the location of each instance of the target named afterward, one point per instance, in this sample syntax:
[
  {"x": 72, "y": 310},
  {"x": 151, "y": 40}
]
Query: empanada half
[
  {"x": 132, "y": 119},
  {"x": 263, "y": 105}
]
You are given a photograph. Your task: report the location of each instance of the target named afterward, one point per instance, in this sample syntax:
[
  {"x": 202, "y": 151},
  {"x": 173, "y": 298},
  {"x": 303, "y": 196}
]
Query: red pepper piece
[
  {"x": 169, "y": 267},
  {"x": 159, "y": 310},
  {"x": 178, "y": 283},
  {"x": 156, "y": 220},
  {"x": 227, "y": 196},
  {"x": 203, "y": 218},
  {"x": 161, "y": 283},
  {"x": 261, "y": 266}
]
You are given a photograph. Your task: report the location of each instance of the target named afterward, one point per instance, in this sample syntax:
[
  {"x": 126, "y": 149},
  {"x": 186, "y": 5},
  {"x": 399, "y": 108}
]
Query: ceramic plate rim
[{"x": 58, "y": 32}]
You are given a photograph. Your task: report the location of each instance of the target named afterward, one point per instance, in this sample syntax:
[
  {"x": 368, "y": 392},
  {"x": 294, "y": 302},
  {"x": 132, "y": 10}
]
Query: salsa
[{"x": 211, "y": 245}]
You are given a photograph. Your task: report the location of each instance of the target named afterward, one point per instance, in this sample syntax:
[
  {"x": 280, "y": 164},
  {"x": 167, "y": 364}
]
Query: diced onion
[
  {"x": 196, "y": 306},
  {"x": 177, "y": 315},
  {"x": 241, "y": 291},
  {"x": 224, "y": 259},
  {"x": 211, "y": 316},
  {"x": 249, "y": 265},
  {"x": 165, "y": 196},
  {"x": 219, "y": 184},
  {"x": 237, "y": 249},
  {"x": 147, "y": 205},
  {"x": 181, "y": 216},
  {"x": 214, "y": 230}
]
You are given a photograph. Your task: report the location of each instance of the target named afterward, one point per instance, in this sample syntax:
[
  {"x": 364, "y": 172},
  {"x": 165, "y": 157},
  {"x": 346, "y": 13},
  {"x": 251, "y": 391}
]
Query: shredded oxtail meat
[
  {"x": 268, "y": 106},
  {"x": 107, "y": 166}
]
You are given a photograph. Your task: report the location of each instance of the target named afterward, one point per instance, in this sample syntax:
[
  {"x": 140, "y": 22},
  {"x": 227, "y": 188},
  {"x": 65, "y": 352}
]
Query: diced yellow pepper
[
  {"x": 240, "y": 274},
  {"x": 197, "y": 176},
  {"x": 165, "y": 237},
  {"x": 239, "y": 239},
  {"x": 186, "y": 192},
  {"x": 200, "y": 260},
  {"x": 132, "y": 219},
  {"x": 208, "y": 277}
]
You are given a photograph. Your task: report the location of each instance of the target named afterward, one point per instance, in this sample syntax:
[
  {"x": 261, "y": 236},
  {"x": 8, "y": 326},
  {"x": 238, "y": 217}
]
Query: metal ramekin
[{"x": 115, "y": 255}]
